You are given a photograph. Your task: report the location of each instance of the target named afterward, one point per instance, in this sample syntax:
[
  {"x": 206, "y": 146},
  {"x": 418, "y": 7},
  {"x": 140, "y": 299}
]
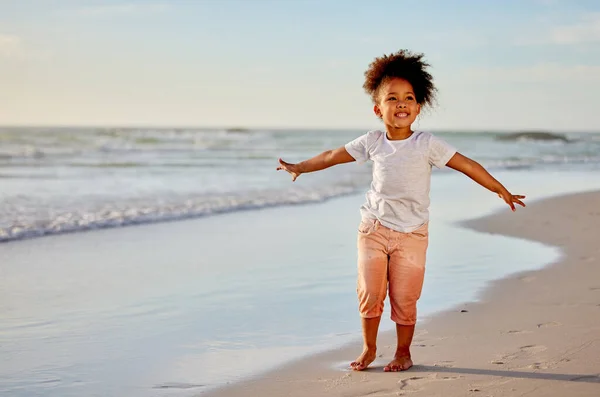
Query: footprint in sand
[
  {"x": 524, "y": 352},
  {"x": 418, "y": 383},
  {"x": 412, "y": 385},
  {"x": 532, "y": 349},
  {"x": 527, "y": 351},
  {"x": 539, "y": 366},
  {"x": 518, "y": 331},
  {"x": 550, "y": 324},
  {"x": 546, "y": 365},
  {"x": 445, "y": 364}
]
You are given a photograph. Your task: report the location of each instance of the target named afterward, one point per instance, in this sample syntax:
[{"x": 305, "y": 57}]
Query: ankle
[
  {"x": 402, "y": 352},
  {"x": 370, "y": 348}
]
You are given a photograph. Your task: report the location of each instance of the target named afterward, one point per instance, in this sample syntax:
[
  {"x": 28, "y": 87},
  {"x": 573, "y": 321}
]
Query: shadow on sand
[{"x": 588, "y": 378}]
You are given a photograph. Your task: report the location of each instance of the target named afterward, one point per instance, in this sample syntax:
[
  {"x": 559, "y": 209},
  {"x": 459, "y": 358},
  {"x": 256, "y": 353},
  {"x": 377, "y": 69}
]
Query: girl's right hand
[{"x": 292, "y": 169}]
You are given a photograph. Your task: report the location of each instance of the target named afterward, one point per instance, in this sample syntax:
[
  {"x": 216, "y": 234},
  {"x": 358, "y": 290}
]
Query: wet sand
[{"x": 534, "y": 333}]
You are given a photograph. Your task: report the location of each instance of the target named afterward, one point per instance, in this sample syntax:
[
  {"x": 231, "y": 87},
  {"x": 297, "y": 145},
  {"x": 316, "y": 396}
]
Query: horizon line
[{"x": 304, "y": 128}]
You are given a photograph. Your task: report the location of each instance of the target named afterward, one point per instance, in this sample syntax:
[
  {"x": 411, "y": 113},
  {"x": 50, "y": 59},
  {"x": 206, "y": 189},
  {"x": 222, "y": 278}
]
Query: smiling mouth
[{"x": 401, "y": 114}]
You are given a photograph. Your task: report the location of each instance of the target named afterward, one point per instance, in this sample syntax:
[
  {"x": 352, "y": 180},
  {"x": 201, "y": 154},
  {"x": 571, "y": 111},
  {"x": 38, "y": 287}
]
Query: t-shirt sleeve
[
  {"x": 440, "y": 152},
  {"x": 359, "y": 148}
]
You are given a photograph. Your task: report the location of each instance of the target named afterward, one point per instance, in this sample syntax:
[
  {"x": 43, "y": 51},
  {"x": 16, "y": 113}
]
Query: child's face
[{"x": 397, "y": 106}]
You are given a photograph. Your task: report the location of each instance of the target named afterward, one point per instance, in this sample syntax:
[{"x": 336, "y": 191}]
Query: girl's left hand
[{"x": 511, "y": 199}]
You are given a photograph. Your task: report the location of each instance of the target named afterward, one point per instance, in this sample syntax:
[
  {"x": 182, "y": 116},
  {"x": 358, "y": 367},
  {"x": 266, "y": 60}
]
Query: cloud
[
  {"x": 540, "y": 73},
  {"x": 10, "y": 46},
  {"x": 119, "y": 9},
  {"x": 585, "y": 31},
  {"x": 546, "y": 2}
]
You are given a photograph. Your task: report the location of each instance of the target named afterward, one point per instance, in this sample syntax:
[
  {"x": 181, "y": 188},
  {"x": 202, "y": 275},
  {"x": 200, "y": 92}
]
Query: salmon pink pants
[{"x": 388, "y": 259}]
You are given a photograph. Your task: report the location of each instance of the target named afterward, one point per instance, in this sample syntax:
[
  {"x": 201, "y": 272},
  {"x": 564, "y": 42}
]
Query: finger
[
  {"x": 510, "y": 204},
  {"x": 518, "y": 196},
  {"x": 522, "y": 204}
]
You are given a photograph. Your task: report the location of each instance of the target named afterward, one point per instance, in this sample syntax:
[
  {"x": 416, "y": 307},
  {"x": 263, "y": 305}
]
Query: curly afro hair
[{"x": 402, "y": 64}]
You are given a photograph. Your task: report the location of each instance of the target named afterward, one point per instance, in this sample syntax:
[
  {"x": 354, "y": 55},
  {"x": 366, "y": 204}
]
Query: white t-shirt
[{"x": 399, "y": 193}]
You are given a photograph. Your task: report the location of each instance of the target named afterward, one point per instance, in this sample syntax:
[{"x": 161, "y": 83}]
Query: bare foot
[
  {"x": 399, "y": 364},
  {"x": 363, "y": 361}
]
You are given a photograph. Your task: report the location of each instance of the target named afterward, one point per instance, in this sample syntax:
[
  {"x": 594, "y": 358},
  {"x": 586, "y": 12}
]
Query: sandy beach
[
  {"x": 534, "y": 333},
  {"x": 178, "y": 308}
]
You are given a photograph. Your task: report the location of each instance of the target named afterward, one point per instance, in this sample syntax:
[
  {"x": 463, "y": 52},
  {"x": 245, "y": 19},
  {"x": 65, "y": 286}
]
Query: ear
[
  {"x": 418, "y": 109},
  {"x": 377, "y": 111}
]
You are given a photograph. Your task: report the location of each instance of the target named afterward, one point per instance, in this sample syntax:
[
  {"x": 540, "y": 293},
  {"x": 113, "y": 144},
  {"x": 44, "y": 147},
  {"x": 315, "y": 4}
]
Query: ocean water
[
  {"x": 179, "y": 308},
  {"x": 57, "y": 180}
]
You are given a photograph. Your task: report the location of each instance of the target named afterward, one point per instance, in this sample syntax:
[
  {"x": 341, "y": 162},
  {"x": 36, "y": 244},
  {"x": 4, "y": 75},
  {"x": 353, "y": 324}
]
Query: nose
[{"x": 401, "y": 104}]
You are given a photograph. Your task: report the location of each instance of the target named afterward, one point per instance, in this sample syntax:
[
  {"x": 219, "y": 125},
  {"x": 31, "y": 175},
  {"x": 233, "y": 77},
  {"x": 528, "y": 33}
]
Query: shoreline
[{"x": 535, "y": 332}]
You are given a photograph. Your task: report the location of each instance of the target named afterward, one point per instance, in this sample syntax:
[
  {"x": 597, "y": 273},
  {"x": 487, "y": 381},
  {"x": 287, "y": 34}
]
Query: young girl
[{"x": 393, "y": 233}]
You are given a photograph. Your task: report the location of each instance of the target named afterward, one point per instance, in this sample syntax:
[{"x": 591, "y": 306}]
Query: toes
[
  {"x": 405, "y": 366},
  {"x": 357, "y": 366},
  {"x": 397, "y": 367}
]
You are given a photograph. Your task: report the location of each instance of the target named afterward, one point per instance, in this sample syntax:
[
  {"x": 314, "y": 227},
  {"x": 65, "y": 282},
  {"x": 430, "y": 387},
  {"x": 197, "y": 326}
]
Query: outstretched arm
[
  {"x": 317, "y": 163},
  {"x": 475, "y": 171}
]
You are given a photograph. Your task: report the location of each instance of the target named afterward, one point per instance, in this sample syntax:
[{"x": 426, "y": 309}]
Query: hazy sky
[{"x": 511, "y": 64}]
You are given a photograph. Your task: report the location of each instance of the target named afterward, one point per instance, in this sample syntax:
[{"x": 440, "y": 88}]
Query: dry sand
[{"x": 532, "y": 334}]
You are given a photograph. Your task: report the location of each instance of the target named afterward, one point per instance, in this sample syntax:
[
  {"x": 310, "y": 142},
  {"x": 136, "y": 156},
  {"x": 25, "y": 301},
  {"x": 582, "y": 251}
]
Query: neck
[{"x": 394, "y": 133}]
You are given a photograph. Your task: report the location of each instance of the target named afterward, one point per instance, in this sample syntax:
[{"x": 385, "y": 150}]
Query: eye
[
  {"x": 410, "y": 98},
  {"x": 392, "y": 98}
]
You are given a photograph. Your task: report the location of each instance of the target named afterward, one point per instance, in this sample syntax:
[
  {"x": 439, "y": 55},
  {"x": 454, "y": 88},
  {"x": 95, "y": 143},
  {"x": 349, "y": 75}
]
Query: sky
[{"x": 498, "y": 65}]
